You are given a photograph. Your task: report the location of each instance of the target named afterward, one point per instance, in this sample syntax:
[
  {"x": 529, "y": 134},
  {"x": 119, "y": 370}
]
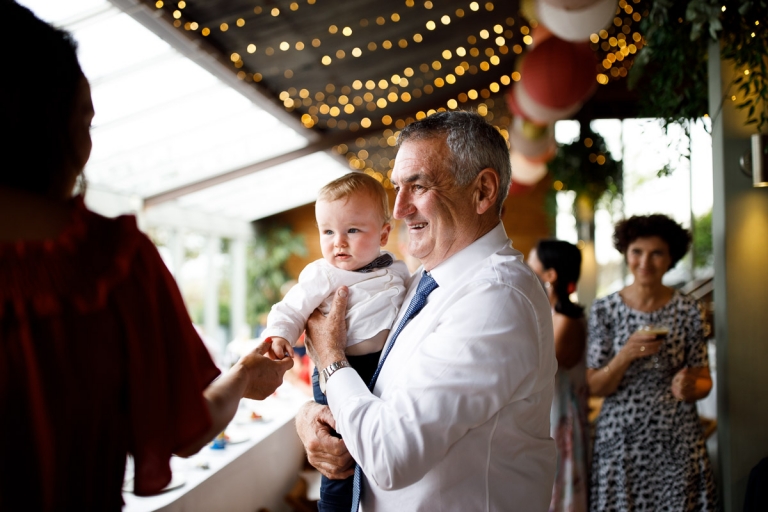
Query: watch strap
[{"x": 329, "y": 370}]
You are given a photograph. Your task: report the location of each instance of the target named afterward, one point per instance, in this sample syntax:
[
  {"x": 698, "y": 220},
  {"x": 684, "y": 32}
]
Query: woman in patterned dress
[
  {"x": 649, "y": 452},
  {"x": 558, "y": 265}
]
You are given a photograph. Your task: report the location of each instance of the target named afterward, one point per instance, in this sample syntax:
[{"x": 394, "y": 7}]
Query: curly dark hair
[
  {"x": 678, "y": 238},
  {"x": 36, "y": 107}
]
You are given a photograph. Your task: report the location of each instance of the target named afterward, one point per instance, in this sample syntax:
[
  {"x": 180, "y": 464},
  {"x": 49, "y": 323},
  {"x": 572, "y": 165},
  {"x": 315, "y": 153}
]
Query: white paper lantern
[
  {"x": 577, "y": 24},
  {"x": 524, "y": 171}
]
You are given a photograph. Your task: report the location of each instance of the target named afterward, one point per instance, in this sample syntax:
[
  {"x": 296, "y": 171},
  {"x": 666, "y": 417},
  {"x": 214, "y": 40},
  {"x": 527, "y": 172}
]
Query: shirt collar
[{"x": 452, "y": 269}]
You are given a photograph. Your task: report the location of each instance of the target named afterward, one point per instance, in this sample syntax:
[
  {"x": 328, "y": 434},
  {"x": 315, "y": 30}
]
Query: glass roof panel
[{"x": 162, "y": 121}]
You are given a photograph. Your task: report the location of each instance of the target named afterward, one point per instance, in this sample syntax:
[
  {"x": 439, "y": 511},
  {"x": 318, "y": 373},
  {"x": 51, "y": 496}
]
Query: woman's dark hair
[
  {"x": 678, "y": 239},
  {"x": 41, "y": 76},
  {"x": 565, "y": 259}
]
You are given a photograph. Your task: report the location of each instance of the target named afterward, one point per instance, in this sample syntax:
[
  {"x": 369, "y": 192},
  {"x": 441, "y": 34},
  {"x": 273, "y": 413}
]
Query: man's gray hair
[{"x": 474, "y": 145}]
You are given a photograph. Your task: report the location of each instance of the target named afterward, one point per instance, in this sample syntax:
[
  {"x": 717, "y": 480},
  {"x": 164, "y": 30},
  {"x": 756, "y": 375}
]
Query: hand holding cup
[{"x": 643, "y": 343}]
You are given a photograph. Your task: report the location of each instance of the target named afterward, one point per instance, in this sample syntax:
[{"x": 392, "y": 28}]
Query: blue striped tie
[{"x": 426, "y": 286}]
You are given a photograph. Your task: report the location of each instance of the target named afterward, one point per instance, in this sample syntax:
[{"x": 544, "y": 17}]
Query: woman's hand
[
  {"x": 325, "y": 452},
  {"x": 253, "y": 376},
  {"x": 691, "y": 384},
  {"x": 605, "y": 381},
  {"x": 641, "y": 345},
  {"x": 263, "y": 375},
  {"x": 327, "y": 336}
]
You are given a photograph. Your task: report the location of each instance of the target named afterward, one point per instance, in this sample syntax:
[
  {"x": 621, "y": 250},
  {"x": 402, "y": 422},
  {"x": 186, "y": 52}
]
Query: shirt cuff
[{"x": 343, "y": 385}]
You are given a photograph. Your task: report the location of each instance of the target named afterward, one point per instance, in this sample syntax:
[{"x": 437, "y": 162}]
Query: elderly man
[{"x": 458, "y": 415}]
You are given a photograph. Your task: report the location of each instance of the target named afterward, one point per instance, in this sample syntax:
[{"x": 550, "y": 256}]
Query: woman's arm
[
  {"x": 605, "y": 381},
  {"x": 694, "y": 381},
  {"x": 570, "y": 340},
  {"x": 253, "y": 376}
]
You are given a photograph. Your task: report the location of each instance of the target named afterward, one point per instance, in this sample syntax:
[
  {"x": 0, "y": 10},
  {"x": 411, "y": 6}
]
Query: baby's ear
[{"x": 385, "y": 229}]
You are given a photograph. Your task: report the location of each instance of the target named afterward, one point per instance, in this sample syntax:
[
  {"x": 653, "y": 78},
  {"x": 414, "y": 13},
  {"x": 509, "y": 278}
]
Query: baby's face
[{"x": 351, "y": 231}]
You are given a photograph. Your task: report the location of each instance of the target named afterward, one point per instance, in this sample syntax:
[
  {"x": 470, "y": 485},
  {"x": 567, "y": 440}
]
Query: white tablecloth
[{"x": 246, "y": 476}]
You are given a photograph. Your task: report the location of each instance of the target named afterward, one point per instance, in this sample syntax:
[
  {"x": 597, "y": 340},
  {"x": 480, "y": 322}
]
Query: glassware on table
[{"x": 660, "y": 333}]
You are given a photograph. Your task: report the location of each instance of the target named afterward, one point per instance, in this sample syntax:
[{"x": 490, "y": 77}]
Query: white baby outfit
[{"x": 374, "y": 300}]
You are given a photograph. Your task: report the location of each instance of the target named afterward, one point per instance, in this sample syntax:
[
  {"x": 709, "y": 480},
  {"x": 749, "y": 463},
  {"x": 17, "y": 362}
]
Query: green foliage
[
  {"x": 225, "y": 295},
  {"x": 577, "y": 166},
  {"x": 749, "y": 52},
  {"x": 702, "y": 241},
  {"x": 670, "y": 73},
  {"x": 266, "y": 268}
]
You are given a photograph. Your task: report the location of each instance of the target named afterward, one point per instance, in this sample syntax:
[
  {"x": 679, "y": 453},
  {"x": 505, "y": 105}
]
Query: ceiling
[{"x": 350, "y": 74}]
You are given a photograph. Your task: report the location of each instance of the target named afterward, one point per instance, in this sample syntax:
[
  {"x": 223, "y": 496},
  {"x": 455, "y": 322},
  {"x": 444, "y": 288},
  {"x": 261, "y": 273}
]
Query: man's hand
[
  {"x": 327, "y": 336},
  {"x": 263, "y": 374},
  {"x": 326, "y": 453}
]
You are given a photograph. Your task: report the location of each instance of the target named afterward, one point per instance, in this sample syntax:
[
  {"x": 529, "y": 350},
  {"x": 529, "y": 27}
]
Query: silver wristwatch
[{"x": 326, "y": 372}]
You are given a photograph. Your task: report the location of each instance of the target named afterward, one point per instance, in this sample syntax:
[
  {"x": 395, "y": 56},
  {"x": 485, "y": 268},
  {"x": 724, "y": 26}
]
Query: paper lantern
[
  {"x": 512, "y": 104},
  {"x": 539, "y": 34},
  {"x": 556, "y": 78},
  {"x": 576, "y": 24},
  {"x": 535, "y": 142},
  {"x": 539, "y": 113},
  {"x": 524, "y": 171},
  {"x": 570, "y": 4}
]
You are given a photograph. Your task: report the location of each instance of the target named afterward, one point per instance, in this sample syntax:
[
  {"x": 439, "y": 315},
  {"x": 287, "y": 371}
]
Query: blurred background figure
[
  {"x": 558, "y": 265},
  {"x": 647, "y": 356},
  {"x": 98, "y": 356}
]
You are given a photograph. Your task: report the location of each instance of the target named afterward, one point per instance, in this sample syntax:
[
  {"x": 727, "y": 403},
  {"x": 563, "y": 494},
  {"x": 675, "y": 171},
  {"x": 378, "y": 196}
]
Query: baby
[{"x": 352, "y": 214}]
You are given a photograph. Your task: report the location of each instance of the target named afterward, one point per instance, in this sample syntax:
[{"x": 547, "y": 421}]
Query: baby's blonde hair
[{"x": 353, "y": 183}]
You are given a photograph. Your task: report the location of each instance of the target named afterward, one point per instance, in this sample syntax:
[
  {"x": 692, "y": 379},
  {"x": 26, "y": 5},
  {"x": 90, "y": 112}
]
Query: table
[{"x": 247, "y": 476}]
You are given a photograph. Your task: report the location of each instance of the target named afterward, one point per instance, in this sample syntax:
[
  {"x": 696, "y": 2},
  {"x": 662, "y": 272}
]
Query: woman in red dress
[{"x": 98, "y": 357}]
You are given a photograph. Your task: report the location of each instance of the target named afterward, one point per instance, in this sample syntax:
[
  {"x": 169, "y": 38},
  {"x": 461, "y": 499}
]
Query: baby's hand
[{"x": 280, "y": 347}]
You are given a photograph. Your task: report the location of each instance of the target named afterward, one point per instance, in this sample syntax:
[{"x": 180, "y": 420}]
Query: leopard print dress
[{"x": 649, "y": 453}]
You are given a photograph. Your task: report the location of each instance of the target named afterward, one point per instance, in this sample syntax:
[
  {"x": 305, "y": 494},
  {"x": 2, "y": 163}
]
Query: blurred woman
[
  {"x": 98, "y": 356},
  {"x": 558, "y": 265},
  {"x": 647, "y": 356}
]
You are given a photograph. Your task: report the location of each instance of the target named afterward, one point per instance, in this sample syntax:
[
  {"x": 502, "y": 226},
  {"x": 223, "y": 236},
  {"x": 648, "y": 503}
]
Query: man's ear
[
  {"x": 486, "y": 190},
  {"x": 385, "y": 229}
]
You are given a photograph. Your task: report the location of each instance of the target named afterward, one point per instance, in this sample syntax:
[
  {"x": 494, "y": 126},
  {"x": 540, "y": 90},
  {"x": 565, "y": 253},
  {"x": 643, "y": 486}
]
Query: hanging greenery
[
  {"x": 266, "y": 268},
  {"x": 586, "y": 167},
  {"x": 670, "y": 73}
]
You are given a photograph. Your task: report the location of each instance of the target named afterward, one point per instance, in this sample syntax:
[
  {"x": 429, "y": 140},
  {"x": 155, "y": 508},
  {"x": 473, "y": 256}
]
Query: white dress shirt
[
  {"x": 374, "y": 300},
  {"x": 459, "y": 417}
]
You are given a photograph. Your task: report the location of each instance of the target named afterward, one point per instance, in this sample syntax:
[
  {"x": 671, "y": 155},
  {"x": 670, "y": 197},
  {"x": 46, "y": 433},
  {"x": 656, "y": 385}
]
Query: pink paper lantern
[{"x": 557, "y": 77}]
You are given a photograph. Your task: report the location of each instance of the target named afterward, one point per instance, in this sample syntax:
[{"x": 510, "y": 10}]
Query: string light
[
  {"x": 371, "y": 96},
  {"x": 387, "y": 98}
]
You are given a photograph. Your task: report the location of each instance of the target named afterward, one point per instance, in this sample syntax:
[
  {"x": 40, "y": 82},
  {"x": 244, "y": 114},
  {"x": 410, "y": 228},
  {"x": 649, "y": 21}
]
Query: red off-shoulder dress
[{"x": 98, "y": 358}]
